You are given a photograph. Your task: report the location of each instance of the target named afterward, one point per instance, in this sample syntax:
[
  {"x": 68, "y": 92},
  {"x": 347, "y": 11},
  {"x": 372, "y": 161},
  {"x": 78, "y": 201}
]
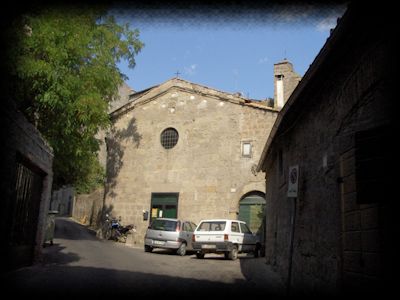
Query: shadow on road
[
  {"x": 53, "y": 255},
  {"x": 69, "y": 229},
  {"x": 66, "y": 281}
]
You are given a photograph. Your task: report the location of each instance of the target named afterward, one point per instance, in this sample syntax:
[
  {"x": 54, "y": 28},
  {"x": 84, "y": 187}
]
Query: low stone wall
[{"x": 87, "y": 208}]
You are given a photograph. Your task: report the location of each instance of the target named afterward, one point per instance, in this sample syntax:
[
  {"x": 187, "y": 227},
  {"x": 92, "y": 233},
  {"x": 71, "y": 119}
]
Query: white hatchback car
[{"x": 229, "y": 237}]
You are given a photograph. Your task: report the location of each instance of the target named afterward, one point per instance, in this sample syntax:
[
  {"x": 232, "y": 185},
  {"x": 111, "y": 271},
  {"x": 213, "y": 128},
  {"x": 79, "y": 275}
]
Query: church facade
[{"x": 184, "y": 150}]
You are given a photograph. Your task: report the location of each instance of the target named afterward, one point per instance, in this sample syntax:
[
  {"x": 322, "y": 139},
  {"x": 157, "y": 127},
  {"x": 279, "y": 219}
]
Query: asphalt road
[{"x": 80, "y": 264}]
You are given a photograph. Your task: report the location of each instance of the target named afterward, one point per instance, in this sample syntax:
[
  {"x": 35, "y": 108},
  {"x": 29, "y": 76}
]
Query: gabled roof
[{"x": 148, "y": 95}]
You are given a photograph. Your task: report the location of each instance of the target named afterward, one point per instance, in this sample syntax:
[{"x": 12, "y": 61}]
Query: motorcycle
[{"x": 116, "y": 231}]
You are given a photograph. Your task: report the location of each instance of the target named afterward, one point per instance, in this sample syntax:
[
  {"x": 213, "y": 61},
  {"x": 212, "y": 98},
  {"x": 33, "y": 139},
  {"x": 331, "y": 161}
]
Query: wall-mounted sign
[{"x": 293, "y": 181}]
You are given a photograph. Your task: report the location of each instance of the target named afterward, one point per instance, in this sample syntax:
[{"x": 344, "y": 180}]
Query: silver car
[{"x": 171, "y": 234}]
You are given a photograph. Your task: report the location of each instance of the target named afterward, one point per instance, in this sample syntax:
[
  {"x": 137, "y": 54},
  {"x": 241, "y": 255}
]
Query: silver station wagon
[{"x": 167, "y": 233}]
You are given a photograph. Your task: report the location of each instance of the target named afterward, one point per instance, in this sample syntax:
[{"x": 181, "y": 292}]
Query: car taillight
[
  {"x": 193, "y": 238},
  {"x": 226, "y": 238},
  {"x": 178, "y": 224}
]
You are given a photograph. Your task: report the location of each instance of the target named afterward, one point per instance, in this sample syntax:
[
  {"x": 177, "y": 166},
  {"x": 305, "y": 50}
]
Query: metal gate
[{"x": 25, "y": 212}]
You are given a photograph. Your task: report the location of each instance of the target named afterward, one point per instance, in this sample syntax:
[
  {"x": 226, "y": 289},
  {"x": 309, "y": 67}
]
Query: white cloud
[
  {"x": 263, "y": 60},
  {"x": 191, "y": 70},
  {"x": 187, "y": 54},
  {"x": 327, "y": 23}
]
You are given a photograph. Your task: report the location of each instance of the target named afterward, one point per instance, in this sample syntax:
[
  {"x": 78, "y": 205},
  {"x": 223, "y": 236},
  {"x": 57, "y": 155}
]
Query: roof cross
[{"x": 177, "y": 74}]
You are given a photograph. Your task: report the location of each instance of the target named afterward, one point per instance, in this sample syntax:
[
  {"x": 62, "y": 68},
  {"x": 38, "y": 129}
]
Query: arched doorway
[{"x": 252, "y": 211}]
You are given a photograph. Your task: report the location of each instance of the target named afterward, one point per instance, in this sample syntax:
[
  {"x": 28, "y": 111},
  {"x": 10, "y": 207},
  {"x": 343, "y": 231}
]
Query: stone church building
[{"x": 184, "y": 150}]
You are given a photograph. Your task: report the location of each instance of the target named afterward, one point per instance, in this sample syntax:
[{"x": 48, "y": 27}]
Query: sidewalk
[{"x": 259, "y": 273}]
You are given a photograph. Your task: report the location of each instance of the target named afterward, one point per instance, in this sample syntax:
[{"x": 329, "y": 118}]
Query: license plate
[
  {"x": 158, "y": 242},
  {"x": 208, "y": 246}
]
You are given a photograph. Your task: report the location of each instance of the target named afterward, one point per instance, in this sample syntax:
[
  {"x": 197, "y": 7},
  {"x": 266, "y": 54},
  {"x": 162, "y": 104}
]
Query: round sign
[{"x": 293, "y": 175}]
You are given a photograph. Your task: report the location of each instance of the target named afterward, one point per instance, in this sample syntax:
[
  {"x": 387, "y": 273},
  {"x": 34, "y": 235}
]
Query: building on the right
[{"x": 329, "y": 163}]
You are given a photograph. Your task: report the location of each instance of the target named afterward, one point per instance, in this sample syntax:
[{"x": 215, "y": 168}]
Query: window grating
[{"x": 169, "y": 138}]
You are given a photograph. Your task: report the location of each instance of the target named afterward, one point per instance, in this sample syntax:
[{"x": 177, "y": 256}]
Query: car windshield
[
  {"x": 165, "y": 225},
  {"x": 212, "y": 226},
  {"x": 244, "y": 228}
]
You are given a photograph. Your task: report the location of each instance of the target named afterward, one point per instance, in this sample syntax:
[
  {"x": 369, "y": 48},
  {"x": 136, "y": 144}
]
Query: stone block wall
[
  {"x": 206, "y": 166},
  {"x": 289, "y": 77},
  {"x": 87, "y": 208},
  {"x": 62, "y": 201},
  {"x": 23, "y": 142},
  {"x": 338, "y": 240}
]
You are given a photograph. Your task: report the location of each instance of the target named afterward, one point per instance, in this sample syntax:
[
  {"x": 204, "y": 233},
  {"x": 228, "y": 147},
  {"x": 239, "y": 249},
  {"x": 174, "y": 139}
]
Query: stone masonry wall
[
  {"x": 21, "y": 138},
  {"x": 336, "y": 240},
  {"x": 87, "y": 208},
  {"x": 205, "y": 167},
  {"x": 290, "y": 79}
]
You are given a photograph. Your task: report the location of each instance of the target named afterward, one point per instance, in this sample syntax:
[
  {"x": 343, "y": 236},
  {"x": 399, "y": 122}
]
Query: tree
[{"x": 63, "y": 62}]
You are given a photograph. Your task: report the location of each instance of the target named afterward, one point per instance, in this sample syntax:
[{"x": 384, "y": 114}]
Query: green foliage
[{"x": 64, "y": 65}]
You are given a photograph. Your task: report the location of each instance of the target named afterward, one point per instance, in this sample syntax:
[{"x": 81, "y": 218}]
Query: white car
[{"x": 229, "y": 237}]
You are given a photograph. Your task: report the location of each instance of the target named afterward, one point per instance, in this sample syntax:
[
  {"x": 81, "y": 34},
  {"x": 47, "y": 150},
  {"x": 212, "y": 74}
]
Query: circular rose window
[{"x": 169, "y": 138}]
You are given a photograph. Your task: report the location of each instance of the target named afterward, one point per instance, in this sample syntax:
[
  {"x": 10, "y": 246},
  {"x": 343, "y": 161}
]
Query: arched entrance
[{"x": 252, "y": 211}]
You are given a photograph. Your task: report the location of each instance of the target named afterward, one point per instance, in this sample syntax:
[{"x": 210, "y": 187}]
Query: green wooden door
[
  {"x": 164, "y": 205},
  {"x": 251, "y": 210}
]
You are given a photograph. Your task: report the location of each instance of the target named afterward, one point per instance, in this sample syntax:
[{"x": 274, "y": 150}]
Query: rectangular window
[
  {"x": 235, "y": 227},
  {"x": 246, "y": 149},
  {"x": 244, "y": 228},
  {"x": 212, "y": 226}
]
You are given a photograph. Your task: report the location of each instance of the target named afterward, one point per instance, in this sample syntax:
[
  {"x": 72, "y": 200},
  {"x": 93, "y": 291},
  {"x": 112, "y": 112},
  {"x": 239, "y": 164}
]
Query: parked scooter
[{"x": 116, "y": 231}]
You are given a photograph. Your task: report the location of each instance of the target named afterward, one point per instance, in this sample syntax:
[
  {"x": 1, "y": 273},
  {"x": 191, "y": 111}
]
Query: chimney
[{"x": 285, "y": 81}]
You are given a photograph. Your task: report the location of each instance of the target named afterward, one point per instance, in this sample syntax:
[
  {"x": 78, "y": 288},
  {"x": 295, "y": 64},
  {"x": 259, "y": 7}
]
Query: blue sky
[{"x": 229, "y": 53}]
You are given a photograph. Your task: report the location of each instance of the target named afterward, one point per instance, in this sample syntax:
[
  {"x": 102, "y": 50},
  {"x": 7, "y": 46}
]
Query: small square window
[{"x": 246, "y": 149}]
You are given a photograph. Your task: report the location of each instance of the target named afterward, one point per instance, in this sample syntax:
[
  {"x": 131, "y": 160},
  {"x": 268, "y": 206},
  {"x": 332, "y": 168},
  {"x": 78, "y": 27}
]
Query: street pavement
[{"x": 80, "y": 264}]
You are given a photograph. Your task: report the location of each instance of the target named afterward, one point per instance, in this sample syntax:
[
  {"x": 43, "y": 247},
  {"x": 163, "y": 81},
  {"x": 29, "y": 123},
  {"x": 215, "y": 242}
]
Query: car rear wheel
[
  {"x": 148, "y": 248},
  {"x": 200, "y": 255},
  {"x": 233, "y": 254},
  {"x": 181, "y": 250}
]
